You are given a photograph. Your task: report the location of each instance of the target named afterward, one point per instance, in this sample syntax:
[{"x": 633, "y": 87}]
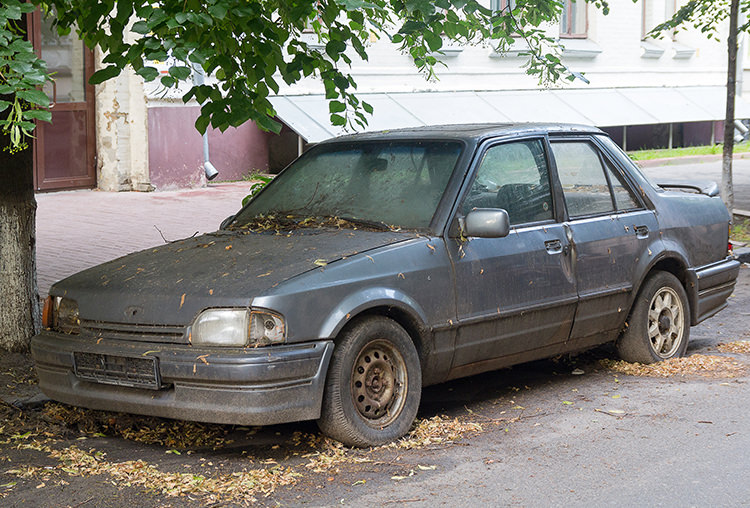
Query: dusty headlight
[
  {"x": 221, "y": 327},
  {"x": 266, "y": 328},
  {"x": 238, "y": 328},
  {"x": 61, "y": 315}
]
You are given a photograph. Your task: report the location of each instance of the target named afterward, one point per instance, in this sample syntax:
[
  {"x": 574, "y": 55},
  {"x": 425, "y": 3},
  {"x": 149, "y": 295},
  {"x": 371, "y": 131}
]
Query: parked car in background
[{"x": 380, "y": 263}]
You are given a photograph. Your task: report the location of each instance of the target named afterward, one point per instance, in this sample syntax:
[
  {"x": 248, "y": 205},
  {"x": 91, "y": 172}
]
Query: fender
[
  {"x": 365, "y": 299},
  {"x": 674, "y": 252}
]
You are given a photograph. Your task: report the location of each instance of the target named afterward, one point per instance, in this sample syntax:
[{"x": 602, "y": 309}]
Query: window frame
[
  {"x": 554, "y": 189},
  {"x": 566, "y": 32},
  {"x": 603, "y": 161}
]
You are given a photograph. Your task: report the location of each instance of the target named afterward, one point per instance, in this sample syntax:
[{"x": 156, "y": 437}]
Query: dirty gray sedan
[{"x": 377, "y": 264}]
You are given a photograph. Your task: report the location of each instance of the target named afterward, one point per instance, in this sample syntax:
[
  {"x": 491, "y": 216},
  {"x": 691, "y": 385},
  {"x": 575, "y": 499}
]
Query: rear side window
[
  {"x": 624, "y": 198},
  {"x": 590, "y": 185},
  {"x": 513, "y": 176}
]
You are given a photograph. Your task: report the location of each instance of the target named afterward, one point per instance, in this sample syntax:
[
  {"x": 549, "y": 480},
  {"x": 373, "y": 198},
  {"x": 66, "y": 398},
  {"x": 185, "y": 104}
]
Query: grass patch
[
  {"x": 644, "y": 155},
  {"x": 741, "y": 229}
]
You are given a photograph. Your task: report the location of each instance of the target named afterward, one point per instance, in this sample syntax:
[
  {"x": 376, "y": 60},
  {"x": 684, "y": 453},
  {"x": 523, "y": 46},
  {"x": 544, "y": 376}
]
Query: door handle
[
  {"x": 553, "y": 246},
  {"x": 641, "y": 231}
]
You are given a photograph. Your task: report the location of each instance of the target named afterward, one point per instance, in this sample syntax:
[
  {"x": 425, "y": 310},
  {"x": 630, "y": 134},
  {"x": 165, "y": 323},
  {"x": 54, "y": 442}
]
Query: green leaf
[
  {"x": 268, "y": 124},
  {"x": 38, "y": 114},
  {"x": 336, "y": 106},
  {"x": 179, "y": 72},
  {"x": 103, "y": 75},
  {"x": 337, "y": 120},
  {"x": 12, "y": 11},
  {"x": 168, "y": 81},
  {"x": 140, "y": 27},
  {"x": 202, "y": 123},
  {"x": 4, "y": 105},
  {"x": 148, "y": 73},
  {"x": 34, "y": 96},
  {"x": 217, "y": 11},
  {"x": 333, "y": 48}
]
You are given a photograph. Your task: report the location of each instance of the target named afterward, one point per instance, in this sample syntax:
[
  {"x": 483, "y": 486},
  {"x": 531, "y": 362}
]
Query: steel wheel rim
[
  {"x": 379, "y": 383},
  {"x": 666, "y": 323}
]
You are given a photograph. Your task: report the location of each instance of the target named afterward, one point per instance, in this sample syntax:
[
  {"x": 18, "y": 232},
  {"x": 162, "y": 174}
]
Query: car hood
[{"x": 170, "y": 284}]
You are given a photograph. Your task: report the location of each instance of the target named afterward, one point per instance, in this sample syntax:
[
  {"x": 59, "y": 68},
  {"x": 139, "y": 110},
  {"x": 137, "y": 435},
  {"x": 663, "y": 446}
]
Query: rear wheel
[
  {"x": 373, "y": 386},
  {"x": 659, "y": 325}
]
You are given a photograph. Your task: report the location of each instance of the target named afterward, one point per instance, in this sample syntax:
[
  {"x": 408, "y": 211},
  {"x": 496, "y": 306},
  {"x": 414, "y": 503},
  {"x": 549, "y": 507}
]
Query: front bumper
[{"x": 261, "y": 386}]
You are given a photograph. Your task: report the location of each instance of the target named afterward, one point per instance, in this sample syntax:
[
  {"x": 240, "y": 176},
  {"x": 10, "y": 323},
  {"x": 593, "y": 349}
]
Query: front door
[
  {"x": 515, "y": 295},
  {"x": 64, "y": 151}
]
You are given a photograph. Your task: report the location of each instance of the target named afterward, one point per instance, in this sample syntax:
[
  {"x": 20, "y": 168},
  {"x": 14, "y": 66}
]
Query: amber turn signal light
[{"x": 48, "y": 312}]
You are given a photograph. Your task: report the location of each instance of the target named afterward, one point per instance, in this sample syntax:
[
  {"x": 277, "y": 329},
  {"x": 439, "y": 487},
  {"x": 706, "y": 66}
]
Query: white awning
[{"x": 308, "y": 115}]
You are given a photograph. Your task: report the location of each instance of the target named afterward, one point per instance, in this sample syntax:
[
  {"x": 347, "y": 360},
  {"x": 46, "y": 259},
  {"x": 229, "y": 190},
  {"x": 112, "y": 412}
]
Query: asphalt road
[
  {"x": 710, "y": 170},
  {"x": 681, "y": 441}
]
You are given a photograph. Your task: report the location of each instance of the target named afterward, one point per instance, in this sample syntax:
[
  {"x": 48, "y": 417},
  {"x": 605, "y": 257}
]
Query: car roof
[{"x": 468, "y": 132}]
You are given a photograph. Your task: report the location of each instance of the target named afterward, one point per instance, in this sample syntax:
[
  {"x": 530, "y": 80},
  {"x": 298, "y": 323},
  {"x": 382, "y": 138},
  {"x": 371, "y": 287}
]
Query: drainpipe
[{"x": 199, "y": 77}]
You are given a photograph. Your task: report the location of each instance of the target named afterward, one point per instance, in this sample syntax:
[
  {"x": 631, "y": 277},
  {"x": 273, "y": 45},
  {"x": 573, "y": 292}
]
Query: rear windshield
[{"x": 397, "y": 184}]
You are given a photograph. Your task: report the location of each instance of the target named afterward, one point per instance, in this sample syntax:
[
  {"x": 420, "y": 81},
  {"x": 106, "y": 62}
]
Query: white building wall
[{"x": 619, "y": 64}]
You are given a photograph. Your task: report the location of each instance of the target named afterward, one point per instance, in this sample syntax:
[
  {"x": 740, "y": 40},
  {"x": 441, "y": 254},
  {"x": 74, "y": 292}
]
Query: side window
[
  {"x": 582, "y": 177},
  {"x": 514, "y": 177},
  {"x": 624, "y": 197}
]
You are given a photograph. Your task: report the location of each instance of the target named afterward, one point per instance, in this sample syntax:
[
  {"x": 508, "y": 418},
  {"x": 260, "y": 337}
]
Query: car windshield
[{"x": 395, "y": 184}]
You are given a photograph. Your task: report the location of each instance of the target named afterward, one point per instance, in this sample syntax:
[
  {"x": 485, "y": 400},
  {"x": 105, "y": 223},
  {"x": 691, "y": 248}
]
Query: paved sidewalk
[{"x": 79, "y": 229}]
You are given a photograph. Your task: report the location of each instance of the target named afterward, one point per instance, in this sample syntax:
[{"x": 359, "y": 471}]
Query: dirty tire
[
  {"x": 374, "y": 384},
  {"x": 659, "y": 324}
]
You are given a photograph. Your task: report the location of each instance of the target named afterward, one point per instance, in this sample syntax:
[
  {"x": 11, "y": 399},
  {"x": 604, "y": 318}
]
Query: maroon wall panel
[{"x": 175, "y": 149}]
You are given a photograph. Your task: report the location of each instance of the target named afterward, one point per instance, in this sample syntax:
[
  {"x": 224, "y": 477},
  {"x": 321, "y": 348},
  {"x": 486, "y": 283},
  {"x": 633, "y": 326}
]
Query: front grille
[
  {"x": 142, "y": 333},
  {"x": 118, "y": 370}
]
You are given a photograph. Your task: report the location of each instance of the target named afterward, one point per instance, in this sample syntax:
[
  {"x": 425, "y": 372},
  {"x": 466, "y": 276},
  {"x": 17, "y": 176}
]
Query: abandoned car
[{"x": 379, "y": 263}]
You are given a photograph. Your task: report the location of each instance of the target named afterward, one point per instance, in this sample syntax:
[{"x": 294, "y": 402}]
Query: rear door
[
  {"x": 610, "y": 229},
  {"x": 514, "y": 294}
]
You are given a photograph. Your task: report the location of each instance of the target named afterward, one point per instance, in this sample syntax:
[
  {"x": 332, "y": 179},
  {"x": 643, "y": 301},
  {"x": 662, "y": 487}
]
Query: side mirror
[
  {"x": 226, "y": 222},
  {"x": 487, "y": 223}
]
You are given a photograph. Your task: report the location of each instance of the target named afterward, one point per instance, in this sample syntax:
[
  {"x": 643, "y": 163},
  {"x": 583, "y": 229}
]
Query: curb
[{"x": 688, "y": 159}]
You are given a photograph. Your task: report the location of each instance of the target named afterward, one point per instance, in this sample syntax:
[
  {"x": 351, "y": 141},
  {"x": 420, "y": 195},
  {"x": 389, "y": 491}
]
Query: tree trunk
[
  {"x": 727, "y": 190},
  {"x": 20, "y": 314}
]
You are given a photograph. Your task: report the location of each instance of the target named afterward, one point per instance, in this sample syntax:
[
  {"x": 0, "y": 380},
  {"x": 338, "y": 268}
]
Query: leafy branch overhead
[
  {"x": 21, "y": 73},
  {"x": 251, "y": 47},
  {"x": 707, "y": 16}
]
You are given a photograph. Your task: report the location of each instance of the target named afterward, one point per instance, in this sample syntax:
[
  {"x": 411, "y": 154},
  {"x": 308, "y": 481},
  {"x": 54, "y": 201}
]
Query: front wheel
[
  {"x": 659, "y": 325},
  {"x": 373, "y": 386}
]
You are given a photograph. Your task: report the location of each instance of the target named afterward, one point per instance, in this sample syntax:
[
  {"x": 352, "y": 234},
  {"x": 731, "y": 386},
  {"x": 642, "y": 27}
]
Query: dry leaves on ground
[
  {"x": 435, "y": 430},
  {"x": 695, "y": 365},
  {"x": 240, "y": 486},
  {"x": 740, "y": 346},
  {"x": 143, "y": 429}
]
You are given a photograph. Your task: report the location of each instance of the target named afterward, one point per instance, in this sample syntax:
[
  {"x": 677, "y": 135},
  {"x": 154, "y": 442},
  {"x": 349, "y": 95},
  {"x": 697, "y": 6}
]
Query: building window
[
  {"x": 573, "y": 22},
  {"x": 655, "y": 12},
  {"x": 502, "y": 5}
]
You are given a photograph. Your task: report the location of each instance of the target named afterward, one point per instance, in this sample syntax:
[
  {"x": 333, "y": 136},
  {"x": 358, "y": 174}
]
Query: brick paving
[{"x": 80, "y": 229}]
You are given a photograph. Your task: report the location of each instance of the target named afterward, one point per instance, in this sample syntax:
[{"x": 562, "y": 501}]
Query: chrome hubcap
[
  {"x": 666, "y": 324},
  {"x": 379, "y": 383}
]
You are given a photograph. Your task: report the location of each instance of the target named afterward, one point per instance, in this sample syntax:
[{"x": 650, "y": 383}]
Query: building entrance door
[{"x": 65, "y": 150}]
